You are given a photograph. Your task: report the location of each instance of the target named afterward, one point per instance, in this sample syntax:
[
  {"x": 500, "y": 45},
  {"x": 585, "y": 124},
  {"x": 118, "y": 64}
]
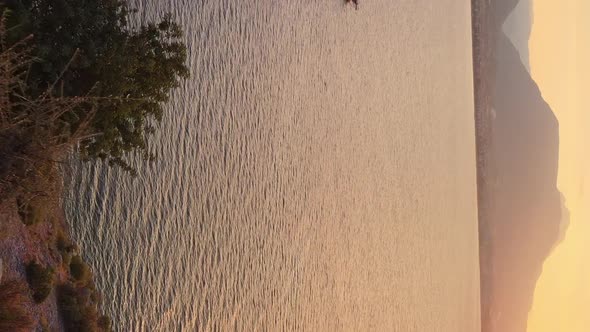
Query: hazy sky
[{"x": 560, "y": 64}]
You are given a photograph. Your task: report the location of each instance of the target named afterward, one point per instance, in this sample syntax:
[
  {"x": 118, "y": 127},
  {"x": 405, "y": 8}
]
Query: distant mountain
[
  {"x": 503, "y": 8},
  {"x": 518, "y": 26},
  {"x": 526, "y": 204}
]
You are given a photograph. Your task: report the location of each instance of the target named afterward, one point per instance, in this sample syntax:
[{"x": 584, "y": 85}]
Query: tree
[{"x": 88, "y": 48}]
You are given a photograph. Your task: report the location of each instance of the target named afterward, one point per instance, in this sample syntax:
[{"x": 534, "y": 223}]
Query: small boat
[{"x": 355, "y": 2}]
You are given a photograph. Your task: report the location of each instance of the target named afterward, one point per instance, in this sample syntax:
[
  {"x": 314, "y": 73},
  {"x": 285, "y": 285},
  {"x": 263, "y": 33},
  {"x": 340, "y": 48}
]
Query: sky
[{"x": 560, "y": 64}]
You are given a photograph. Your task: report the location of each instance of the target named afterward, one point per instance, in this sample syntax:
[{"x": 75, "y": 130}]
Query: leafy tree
[{"x": 88, "y": 49}]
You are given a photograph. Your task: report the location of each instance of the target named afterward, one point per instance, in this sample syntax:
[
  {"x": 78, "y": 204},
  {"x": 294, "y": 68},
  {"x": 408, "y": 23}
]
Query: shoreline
[
  {"x": 97, "y": 96},
  {"x": 483, "y": 29},
  {"x": 20, "y": 244},
  {"x": 43, "y": 243}
]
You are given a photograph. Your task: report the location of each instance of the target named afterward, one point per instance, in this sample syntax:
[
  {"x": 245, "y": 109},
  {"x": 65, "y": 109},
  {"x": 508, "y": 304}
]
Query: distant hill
[
  {"x": 526, "y": 203},
  {"x": 526, "y": 214},
  {"x": 518, "y": 26},
  {"x": 503, "y": 8}
]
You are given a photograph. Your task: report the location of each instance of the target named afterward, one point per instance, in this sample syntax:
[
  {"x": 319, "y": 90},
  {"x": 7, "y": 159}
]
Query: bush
[
  {"x": 79, "y": 312},
  {"x": 79, "y": 270},
  {"x": 40, "y": 281},
  {"x": 13, "y": 302},
  {"x": 61, "y": 242},
  {"x": 65, "y": 247},
  {"x": 66, "y": 258},
  {"x": 64, "y": 244}
]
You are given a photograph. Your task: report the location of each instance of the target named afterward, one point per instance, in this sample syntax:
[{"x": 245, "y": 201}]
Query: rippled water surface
[{"x": 316, "y": 173}]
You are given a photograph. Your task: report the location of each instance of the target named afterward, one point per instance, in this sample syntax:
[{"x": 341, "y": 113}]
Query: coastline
[
  {"x": 19, "y": 244},
  {"x": 483, "y": 28},
  {"x": 59, "y": 101},
  {"x": 49, "y": 243}
]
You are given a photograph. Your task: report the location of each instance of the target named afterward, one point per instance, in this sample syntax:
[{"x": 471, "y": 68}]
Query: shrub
[
  {"x": 65, "y": 247},
  {"x": 40, "y": 281},
  {"x": 64, "y": 244},
  {"x": 79, "y": 312},
  {"x": 79, "y": 270},
  {"x": 13, "y": 302},
  {"x": 61, "y": 242},
  {"x": 66, "y": 258}
]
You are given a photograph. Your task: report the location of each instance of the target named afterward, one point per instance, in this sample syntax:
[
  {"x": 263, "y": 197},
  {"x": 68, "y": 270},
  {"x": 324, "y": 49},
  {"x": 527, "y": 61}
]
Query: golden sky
[{"x": 560, "y": 64}]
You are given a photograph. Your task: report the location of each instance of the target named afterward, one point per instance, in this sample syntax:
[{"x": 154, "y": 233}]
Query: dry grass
[
  {"x": 13, "y": 302},
  {"x": 37, "y": 132},
  {"x": 34, "y": 137}
]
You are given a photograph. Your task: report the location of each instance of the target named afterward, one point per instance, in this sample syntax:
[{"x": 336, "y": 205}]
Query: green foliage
[
  {"x": 13, "y": 302},
  {"x": 89, "y": 47},
  {"x": 78, "y": 310},
  {"x": 40, "y": 281},
  {"x": 79, "y": 270}
]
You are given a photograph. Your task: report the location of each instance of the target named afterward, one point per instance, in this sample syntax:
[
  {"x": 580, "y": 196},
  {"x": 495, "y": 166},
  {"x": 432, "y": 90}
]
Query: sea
[{"x": 316, "y": 173}]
